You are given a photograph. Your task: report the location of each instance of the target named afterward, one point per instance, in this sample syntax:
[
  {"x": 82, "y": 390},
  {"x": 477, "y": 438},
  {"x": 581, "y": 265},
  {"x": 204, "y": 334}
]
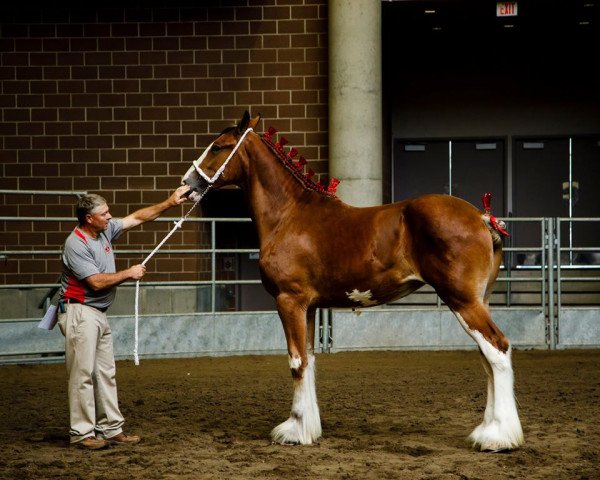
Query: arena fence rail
[{"x": 540, "y": 302}]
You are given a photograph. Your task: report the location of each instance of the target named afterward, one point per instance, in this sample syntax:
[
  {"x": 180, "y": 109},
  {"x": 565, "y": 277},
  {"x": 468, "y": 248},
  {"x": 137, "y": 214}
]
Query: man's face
[{"x": 98, "y": 219}]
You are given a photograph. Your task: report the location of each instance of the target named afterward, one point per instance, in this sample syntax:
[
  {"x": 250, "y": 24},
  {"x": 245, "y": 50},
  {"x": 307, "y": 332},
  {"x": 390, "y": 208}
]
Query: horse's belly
[{"x": 369, "y": 294}]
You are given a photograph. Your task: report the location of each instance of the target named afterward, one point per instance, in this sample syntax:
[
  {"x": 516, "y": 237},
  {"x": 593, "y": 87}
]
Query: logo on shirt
[{"x": 107, "y": 249}]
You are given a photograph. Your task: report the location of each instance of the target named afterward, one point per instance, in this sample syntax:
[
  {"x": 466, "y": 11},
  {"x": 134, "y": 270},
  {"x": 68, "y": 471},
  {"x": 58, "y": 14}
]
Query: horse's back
[
  {"x": 442, "y": 206},
  {"x": 424, "y": 225}
]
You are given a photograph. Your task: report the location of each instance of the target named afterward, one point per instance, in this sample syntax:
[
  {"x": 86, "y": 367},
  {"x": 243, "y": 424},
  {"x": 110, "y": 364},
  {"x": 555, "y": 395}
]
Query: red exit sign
[{"x": 506, "y": 9}]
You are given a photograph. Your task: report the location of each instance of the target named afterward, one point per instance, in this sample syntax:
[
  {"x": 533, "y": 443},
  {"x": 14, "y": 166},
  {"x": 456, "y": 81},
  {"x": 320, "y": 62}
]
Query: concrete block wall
[
  {"x": 119, "y": 100},
  {"x": 20, "y": 304}
]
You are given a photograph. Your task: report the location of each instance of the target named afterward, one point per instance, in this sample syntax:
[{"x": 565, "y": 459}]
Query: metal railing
[
  {"x": 559, "y": 249},
  {"x": 509, "y": 251},
  {"x": 45, "y": 303},
  {"x": 213, "y": 251},
  {"x": 549, "y": 249},
  {"x": 548, "y": 317},
  {"x": 43, "y": 192}
]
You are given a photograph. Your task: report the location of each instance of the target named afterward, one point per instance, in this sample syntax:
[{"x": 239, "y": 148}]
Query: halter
[{"x": 218, "y": 173}]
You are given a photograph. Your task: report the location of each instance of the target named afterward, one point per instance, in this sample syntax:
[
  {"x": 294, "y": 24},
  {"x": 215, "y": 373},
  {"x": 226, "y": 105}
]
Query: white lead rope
[
  {"x": 211, "y": 181},
  {"x": 178, "y": 224}
]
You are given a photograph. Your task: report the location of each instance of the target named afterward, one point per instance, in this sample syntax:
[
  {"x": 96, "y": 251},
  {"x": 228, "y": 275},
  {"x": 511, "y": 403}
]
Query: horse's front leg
[{"x": 304, "y": 424}]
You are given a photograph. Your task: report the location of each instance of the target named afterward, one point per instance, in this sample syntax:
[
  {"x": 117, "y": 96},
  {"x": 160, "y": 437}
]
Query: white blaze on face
[{"x": 364, "y": 298}]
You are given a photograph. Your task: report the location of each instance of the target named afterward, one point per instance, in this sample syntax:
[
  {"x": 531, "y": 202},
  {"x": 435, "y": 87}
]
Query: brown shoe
[
  {"x": 92, "y": 443},
  {"x": 123, "y": 439}
]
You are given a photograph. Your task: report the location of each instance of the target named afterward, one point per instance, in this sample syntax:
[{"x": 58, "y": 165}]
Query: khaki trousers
[{"x": 93, "y": 401}]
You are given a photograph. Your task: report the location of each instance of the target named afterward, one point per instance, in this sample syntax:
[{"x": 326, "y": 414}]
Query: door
[
  {"x": 585, "y": 203},
  {"x": 420, "y": 168},
  {"x": 540, "y": 168},
  {"x": 474, "y": 167},
  {"x": 477, "y": 168}
]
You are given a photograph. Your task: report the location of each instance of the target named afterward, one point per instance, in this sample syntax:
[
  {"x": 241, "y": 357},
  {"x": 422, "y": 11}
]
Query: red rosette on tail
[{"x": 487, "y": 206}]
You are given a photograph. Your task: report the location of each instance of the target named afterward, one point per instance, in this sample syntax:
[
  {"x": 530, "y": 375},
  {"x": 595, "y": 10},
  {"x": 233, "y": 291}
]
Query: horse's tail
[
  {"x": 495, "y": 226},
  {"x": 497, "y": 253}
]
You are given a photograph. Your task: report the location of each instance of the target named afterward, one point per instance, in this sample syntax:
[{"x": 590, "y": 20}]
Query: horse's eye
[{"x": 215, "y": 148}]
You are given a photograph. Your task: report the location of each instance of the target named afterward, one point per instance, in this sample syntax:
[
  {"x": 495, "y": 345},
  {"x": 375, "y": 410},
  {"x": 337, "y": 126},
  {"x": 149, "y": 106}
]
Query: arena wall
[{"x": 119, "y": 101}]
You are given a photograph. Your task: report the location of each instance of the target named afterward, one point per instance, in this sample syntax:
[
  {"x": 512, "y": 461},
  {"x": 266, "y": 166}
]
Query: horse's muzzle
[{"x": 198, "y": 188}]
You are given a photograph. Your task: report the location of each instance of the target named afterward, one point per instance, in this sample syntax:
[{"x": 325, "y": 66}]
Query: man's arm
[
  {"x": 101, "y": 281},
  {"x": 152, "y": 212}
]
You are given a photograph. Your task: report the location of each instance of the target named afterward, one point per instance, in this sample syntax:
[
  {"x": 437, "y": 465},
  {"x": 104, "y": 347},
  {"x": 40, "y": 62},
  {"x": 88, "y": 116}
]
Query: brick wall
[{"x": 120, "y": 101}]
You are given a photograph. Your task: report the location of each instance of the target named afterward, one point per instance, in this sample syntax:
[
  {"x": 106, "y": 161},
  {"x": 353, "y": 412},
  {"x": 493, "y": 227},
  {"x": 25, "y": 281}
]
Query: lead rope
[
  {"x": 211, "y": 181},
  {"x": 178, "y": 224}
]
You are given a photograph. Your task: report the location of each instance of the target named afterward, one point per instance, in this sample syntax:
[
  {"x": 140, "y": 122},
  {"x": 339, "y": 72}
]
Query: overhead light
[
  {"x": 414, "y": 148},
  {"x": 508, "y": 25},
  {"x": 584, "y": 22},
  {"x": 533, "y": 145},
  {"x": 436, "y": 29},
  {"x": 429, "y": 12},
  {"x": 485, "y": 146}
]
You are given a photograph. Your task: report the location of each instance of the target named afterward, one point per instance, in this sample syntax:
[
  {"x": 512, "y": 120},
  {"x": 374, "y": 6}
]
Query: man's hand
[
  {"x": 150, "y": 213},
  {"x": 179, "y": 195},
  {"x": 101, "y": 281},
  {"x": 136, "y": 272}
]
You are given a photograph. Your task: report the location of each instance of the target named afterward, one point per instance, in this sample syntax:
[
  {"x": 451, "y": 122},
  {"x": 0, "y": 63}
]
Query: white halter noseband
[{"x": 218, "y": 173}]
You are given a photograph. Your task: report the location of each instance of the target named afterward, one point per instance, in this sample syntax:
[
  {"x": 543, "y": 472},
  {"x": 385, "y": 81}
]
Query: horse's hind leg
[
  {"x": 501, "y": 427},
  {"x": 304, "y": 424}
]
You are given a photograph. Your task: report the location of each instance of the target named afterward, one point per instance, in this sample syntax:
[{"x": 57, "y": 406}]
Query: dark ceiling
[
  {"x": 553, "y": 42},
  {"x": 445, "y": 18}
]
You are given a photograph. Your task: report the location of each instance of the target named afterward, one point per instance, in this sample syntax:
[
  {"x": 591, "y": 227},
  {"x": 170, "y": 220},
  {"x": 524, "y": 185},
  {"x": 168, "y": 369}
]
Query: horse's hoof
[
  {"x": 291, "y": 432},
  {"x": 495, "y": 437},
  {"x": 291, "y": 444}
]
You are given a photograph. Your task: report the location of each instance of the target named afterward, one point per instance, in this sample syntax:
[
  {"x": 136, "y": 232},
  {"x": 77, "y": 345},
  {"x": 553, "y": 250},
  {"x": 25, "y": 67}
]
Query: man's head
[{"x": 92, "y": 211}]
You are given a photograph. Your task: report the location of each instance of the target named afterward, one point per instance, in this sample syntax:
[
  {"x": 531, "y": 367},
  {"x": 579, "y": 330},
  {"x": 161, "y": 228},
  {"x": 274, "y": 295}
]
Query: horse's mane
[{"x": 297, "y": 168}]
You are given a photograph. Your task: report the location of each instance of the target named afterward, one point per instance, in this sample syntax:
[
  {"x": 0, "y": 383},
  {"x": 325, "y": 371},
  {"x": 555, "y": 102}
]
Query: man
[{"x": 88, "y": 286}]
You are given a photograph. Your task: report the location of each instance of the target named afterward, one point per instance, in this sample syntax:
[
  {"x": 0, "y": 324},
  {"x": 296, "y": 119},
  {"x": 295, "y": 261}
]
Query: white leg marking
[
  {"x": 489, "y": 407},
  {"x": 304, "y": 424},
  {"x": 501, "y": 427},
  {"x": 294, "y": 362}
]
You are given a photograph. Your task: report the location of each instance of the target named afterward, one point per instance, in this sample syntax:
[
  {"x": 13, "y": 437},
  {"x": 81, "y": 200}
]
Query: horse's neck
[{"x": 274, "y": 193}]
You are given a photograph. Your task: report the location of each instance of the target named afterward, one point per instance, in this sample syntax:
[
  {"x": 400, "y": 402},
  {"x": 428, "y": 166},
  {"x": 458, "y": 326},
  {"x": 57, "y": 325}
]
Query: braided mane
[{"x": 297, "y": 168}]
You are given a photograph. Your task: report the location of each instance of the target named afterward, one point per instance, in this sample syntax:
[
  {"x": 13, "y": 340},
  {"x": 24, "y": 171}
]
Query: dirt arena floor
[{"x": 385, "y": 415}]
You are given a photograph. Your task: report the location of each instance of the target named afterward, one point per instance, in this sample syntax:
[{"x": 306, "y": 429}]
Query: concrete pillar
[{"x": 355, "y": 134}]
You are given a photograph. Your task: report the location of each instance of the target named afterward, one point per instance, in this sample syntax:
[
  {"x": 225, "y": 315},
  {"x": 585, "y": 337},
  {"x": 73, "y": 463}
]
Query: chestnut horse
[{"x": 318, "y": 252}]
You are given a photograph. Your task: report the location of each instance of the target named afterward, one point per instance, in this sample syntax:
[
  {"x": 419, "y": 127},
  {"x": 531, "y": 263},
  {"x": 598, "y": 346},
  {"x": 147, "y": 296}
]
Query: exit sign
[{"x": 506, "y": 9}]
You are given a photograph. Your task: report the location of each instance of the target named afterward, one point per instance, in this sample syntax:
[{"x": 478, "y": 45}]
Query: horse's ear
[
  {"x": 244, "y": 122},
  {"x": 254, "y": 122}
]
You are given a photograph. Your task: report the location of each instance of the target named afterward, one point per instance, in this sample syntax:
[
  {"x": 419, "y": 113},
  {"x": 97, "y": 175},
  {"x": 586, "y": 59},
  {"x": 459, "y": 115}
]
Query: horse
[{"x": 318, "y": 252}]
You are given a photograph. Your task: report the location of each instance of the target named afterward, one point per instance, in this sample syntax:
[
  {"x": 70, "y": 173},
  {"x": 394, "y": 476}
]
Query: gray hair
[{"x": 87, "y": 204}]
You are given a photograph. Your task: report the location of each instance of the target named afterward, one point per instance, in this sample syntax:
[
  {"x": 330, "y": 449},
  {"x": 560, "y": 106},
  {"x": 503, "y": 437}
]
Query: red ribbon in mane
[
  {"x": 333, "y": 185},
  {"x": 297, "y": 167}
]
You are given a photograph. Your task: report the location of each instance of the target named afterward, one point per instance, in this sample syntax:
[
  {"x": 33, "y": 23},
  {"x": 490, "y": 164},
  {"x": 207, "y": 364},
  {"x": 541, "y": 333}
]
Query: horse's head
[{"x": 221, "y": 162}]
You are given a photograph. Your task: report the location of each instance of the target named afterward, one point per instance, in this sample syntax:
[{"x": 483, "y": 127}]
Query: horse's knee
[{"x": 297, "y": 365}]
